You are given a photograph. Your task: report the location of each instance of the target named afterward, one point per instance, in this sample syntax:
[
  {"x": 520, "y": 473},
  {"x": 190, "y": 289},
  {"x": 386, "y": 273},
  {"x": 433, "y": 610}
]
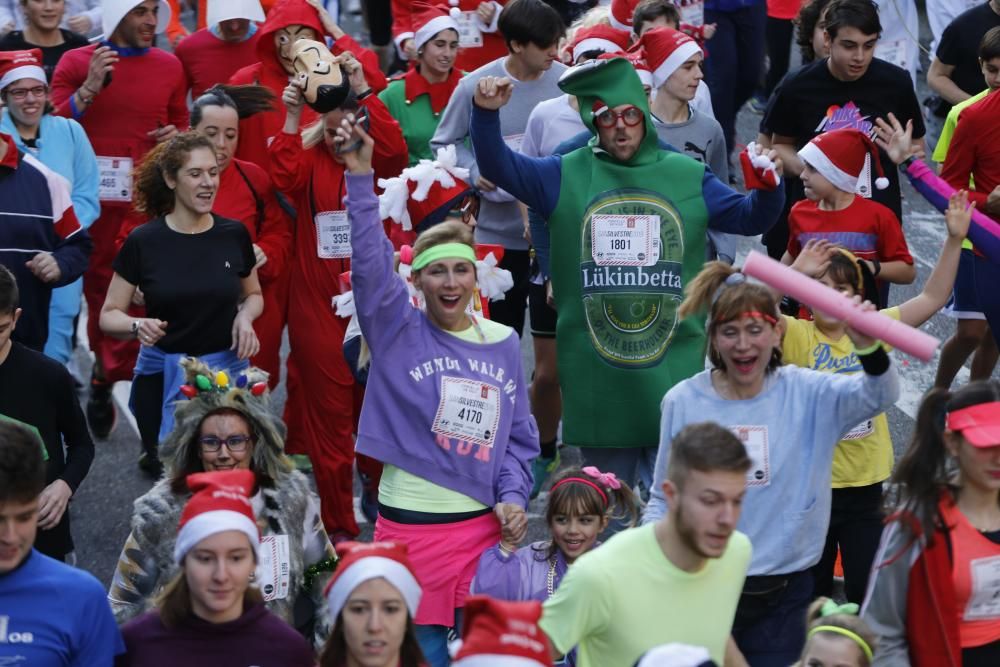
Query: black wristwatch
[{"x": 876, "y": 266}]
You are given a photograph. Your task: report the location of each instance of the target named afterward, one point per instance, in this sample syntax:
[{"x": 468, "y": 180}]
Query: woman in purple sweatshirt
[
  {"x": 209, "y": 615},
  {"x": 446, "y": 407}
]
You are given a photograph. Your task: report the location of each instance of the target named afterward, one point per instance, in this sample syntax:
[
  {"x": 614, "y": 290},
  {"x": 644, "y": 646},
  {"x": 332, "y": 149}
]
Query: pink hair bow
[{"x": 607, "y": 479}]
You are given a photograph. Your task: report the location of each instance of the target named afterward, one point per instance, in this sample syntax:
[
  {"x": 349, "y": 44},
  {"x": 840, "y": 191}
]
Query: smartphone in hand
[{"x": 360, "y": 118}]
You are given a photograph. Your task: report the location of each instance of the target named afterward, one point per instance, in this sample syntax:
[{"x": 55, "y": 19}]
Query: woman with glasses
[
  {"x": 62, "y": 146},
  {"x": 226, "y": 424}
]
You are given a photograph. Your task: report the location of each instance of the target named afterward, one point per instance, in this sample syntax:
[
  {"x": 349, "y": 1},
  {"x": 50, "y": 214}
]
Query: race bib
[
  {"x": 469, "y": 34},
  {"x": 754, "y": 438},
  {"x": 692, "y": 13},
  {"x": 984, "y": 603},
  {"x": 333, "y": 235},
  {"x": 274, "y": 568},
  {"x": 469, "y": 410},
  {"x": 115, "y": 178},
  {"x": 625, "y": 240},
  {"x": 514, "y": 142},
  {"x": 862, "y": 430}
]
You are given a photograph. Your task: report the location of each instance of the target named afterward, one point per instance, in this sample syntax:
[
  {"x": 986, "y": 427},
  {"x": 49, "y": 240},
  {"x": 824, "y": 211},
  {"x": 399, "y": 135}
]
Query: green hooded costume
[{"x": 626, "y": 238}]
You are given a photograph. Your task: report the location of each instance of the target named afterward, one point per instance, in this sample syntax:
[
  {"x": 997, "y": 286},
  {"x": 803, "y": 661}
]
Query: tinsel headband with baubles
[{"x": 220, "y": 383}]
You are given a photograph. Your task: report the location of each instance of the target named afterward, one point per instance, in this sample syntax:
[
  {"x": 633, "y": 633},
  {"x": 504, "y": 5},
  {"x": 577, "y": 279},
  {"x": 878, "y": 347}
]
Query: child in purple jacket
[{"x": 581, "y": 503}]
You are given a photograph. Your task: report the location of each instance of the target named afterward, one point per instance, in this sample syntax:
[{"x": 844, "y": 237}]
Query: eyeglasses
[
  {"x": 630, "y": 115},
  {"x": 20, "y": 93},
  {"x": 234, "y": 443}
]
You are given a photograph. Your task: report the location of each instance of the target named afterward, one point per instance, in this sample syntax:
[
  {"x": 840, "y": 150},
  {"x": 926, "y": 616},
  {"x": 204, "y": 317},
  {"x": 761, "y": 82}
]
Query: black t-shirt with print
[
  {"x": 15, "y": 41},
  {"x": 811, "y": 101},
  {"x": 959, "y": 46},
  {"x": 190, "y": 281}
]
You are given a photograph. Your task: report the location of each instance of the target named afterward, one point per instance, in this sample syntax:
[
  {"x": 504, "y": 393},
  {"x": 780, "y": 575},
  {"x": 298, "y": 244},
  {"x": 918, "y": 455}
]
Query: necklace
[{"x": 550, "y": 578}]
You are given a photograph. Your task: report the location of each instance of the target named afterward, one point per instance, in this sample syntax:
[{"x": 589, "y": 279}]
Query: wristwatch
[{"x": 134, "y": 328}]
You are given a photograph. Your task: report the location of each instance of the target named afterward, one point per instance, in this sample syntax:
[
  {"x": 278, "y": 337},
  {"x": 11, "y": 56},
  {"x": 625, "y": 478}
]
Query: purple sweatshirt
[
  {"x": 449, "y": 411},
  {"x": 258, "y": 638},
  {"x": 522, "y": 576}
]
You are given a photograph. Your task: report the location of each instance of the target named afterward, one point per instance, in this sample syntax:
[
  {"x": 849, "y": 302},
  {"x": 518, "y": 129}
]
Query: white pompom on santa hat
[
  {"x": 430, "y": 19},
  {"x": 220, "y": 501},
  {"x": 498, "y": 633},
  {"x": 664, "y": 50},
  {"x": 360, "y": 562},
  {"x": 620, "y": 14},
  {"x": 841, "y": 156},
  {"x": 17, "y": 65}
]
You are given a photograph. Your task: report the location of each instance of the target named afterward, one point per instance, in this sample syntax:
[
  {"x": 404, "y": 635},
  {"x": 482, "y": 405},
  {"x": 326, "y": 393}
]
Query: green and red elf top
[
  {"x": 630, "y": 235},
  {"x": 417, "y": 104}
]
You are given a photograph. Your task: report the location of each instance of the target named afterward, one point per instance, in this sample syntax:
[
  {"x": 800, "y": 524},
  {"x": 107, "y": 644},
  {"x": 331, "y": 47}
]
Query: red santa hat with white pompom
[
  {"x": 844, "y": 157},
  {"x": 430, "y": 19}
]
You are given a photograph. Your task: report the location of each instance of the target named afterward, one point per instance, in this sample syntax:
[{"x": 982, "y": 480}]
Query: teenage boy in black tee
[
  {"x": 955, "y": 73},
  {"x": 850, "y": 88},
  {"x": 39, "y": 392}
]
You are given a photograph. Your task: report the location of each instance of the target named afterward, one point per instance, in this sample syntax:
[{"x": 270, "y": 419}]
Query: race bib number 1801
[{"x": 624, "y": 240}]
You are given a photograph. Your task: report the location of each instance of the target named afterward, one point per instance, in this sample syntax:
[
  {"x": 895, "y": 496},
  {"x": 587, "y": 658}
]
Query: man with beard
[
  {"x": 611, "y": 604},
  {"x": 128, "y": 96}
]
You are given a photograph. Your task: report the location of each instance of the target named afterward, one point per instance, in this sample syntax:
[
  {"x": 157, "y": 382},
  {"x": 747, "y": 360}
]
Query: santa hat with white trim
[
  {"x": 498, "y": 633},
  {"x": 430, "y": 19},
  {"x": 598, "y": 38},
  {"x": 15, "y": 65},
  {"x": 226, "y": 10},
  {"x": 621, "y": 12},
  {"x": 220, "y": 501},
  {"x": 638, "y": 63},
  {"x": 842, "y": 157},
  {"x": 360, "y": 562},
  {"x": 665, "y": 50},
  {"x": 115, "y": 10}
]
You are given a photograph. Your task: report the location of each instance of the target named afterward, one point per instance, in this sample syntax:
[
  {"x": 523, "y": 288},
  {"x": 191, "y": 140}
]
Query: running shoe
[
  {"x": 542, "y": 468},
  {"x": 757, "y": 104},
  {"x": 151, "y": 465},
  {"x": 101, "y": 411}
]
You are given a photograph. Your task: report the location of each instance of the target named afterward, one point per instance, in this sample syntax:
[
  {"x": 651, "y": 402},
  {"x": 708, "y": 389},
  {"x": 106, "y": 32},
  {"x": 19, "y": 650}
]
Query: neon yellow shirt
[
  {"x": 403, "y": 490},
  {"x": 864, "y": 456},
  {"x": 621, "y": 600}
]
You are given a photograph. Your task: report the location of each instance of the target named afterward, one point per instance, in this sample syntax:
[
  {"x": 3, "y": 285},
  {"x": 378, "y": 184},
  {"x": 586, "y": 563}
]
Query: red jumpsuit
[
  {"x": 470, "y": 58},
  {"x": 257, "y": 131},
  {"x": 321, "y": 394},
  {"x": 147, "y": 91}
]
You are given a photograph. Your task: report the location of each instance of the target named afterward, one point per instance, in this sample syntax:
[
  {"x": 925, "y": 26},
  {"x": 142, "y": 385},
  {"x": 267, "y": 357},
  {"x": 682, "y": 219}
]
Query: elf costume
[{"x": 631, "y": 235}]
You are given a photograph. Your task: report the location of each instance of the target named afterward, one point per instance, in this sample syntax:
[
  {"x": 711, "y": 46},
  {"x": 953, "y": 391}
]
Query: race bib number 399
[
  {"x": 624, "y": 240},
  {"x": 469, "y": 410}
]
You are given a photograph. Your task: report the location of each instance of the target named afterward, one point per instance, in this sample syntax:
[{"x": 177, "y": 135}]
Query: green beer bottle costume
[{"x": 626, "y": 237}]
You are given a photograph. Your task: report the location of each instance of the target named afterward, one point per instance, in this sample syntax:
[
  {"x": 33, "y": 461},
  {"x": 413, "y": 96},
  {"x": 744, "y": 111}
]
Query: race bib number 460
[
  {"x": 625, "y": 240},
  {"x": 468, "y": 410}
]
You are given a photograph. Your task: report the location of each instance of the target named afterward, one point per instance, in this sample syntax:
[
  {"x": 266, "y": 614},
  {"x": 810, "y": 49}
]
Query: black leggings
[
  {"x": 511, "y": 309},
  {"x": 856, "y": 528},
  {"x": 778, "y": 37},
  {"x": 147, "y": 406},
  {"x": 378, "y": 14}
]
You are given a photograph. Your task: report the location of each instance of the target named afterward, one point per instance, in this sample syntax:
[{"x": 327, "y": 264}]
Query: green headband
[
  {"x": 846, "y": 633},
  {"x": 444, "y": 251}
]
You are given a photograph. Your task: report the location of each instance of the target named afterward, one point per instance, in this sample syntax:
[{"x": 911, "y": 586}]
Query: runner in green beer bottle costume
[{"x": 627, "y": 223}]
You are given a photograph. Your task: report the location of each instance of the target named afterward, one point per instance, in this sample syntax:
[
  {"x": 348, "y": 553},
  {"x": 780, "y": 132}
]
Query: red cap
[
  {"x": 16, "y": 65},
  {"x": 664, "y": 50},
  {"x": 429, "y": 19},
  {"x": 220, "y": 502},
  {"x": 841, "y": 155},
  {"x": 497, "y": 633},
  {"x": 361, "y": 561},
  {"x": 599, "y": 37},
  {"x": 621, "y": 12},
  {"x": 978, "y": 424}
]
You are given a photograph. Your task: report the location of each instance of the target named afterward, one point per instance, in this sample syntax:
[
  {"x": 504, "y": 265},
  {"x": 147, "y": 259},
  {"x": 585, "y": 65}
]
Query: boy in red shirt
[{"x": 837, "y": 167}]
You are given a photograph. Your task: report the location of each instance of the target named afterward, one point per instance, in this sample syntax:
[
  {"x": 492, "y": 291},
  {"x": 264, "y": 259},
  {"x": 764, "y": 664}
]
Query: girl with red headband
[
  {"x": 790, "y": 420},
  {"x": 581, "y": 503},
  {"x": 932, "y": 599}
]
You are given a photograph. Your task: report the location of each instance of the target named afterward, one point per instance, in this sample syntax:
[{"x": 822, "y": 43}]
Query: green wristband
[{"x": 868, "y": 350}]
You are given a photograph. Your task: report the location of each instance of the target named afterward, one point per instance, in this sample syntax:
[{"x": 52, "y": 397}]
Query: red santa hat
[
  {"x": 497, "y": 633},
  {"x": 15, "y": 65},
  {"x": 621, "y": 14},
  {"x": 638, "y": 60},
  {"x": 844, "y": 158},
  {"x": 360, "y": 562},
  {"x": 220, "y": 502},
  {"x": 430, "y": 19},
  {"x": 599, "y": 37},
  {"x": 665, "y": 50},
  {"x": 423, "y": 190}
]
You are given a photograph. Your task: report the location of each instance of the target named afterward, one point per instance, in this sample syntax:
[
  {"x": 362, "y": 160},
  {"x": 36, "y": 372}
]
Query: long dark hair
[
  {"x": 246, "y": 100},
  {"x": 152, "y": 194},
  {"x": 334, "y": 652},
  {"x": 923, "y": 472}
]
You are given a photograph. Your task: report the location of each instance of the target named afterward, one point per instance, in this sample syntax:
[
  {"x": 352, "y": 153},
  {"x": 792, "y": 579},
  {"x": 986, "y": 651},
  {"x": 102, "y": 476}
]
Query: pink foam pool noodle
[{"x": 820, "y": 297}]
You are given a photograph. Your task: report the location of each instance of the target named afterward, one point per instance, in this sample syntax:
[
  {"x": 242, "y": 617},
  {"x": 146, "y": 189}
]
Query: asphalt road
[{"x": 102, "y": 507}]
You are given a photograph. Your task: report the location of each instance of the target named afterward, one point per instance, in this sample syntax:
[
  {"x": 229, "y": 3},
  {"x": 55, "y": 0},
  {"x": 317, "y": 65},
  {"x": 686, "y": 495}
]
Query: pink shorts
[{"x": 444, "y": 558}]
